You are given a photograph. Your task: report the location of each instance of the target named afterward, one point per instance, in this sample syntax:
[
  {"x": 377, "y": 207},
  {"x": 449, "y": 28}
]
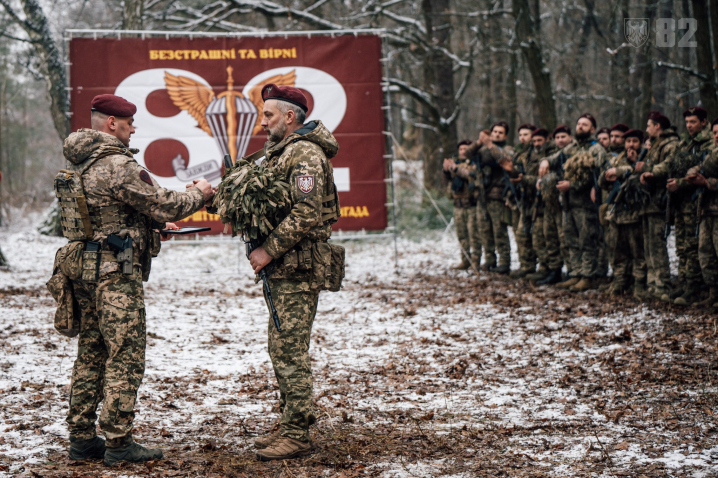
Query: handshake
[{"x": 207, "y": 190}]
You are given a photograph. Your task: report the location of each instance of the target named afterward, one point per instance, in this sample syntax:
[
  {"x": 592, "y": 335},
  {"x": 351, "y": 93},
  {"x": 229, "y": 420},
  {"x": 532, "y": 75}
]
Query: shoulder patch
[
  {"x": 305, "y": 183},
  {"x": 145, "y": 176}
]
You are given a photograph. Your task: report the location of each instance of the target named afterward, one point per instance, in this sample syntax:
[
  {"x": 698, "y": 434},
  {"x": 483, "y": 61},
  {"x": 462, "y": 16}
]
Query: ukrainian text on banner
[{"x": 199, "y": 99}]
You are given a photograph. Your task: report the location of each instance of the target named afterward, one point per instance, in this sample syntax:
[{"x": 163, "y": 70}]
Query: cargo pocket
[
  {"x": 67, "y": 314},
  {"x": 126, "y": 403},
  {"x": 123, "y": 300},
  {"x": 321, "y": 263},
  {"x": 336, "y": 269},
  {"x": 69, "y": 259}
]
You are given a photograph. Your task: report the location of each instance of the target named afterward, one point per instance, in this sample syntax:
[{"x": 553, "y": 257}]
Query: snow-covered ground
[{"x": 420, "y": 371}]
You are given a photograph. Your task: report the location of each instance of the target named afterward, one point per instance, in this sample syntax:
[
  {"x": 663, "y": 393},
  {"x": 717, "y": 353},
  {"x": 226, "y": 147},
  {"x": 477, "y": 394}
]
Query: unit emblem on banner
[
  {"x": 229, "y": 117},
  {"x": 305, "y": 184},
  {"x": 635, "y": 30}
]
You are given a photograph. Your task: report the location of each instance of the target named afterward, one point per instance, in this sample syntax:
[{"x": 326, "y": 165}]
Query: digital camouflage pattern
[
  {"x": 300, "y": 155},
  {"x": 708, "y": 237},
  {"x": 110, "y": 360},
  {"x": 495, "y": 234},
  {"x": 526, "y": 162},
  {"x": 467, "y": 232},
  {"x": 557, "y": 252},
  {"x": 464, "y": 195}
]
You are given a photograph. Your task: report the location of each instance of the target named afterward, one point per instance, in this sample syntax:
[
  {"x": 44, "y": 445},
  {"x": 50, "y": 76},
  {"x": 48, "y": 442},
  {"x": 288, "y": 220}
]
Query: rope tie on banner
[{"x": 398, "y": 147}]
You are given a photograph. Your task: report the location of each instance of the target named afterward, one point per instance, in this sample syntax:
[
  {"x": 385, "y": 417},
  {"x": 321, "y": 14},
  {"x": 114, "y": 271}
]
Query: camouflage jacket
[
  {"x": 117, "y": 182},
  {"x": 661, "y": 150},
  {"x": 583, "y": 159},
  {"x": 461, "y": 187},
  {"x": 624, "y": 209},
  {"x": 300, "y": 159},
  {"x": 709, "y": 169},
  {"x": 489, "y": 172}
]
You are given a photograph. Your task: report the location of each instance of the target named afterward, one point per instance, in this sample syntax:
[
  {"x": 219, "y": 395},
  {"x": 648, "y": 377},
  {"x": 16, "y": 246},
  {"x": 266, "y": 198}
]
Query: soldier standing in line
[
  {"x": 663, "y": 142},
  {"x": 581, "y": 226},
  {"x": 556, "y": 249},
  {"x": 603, "y": 136},
  {"x": 521, "y": 213},
  {"x": 624, "y": 215},
  {"x": 460, "y": 173},
  {"x": 486, "y": 153},
  {"x": 707, "y": 177},
  {"x": 691, "y": 151},
  {"x": 299, "y": 154},
  {"x": 121, "y": 199}
]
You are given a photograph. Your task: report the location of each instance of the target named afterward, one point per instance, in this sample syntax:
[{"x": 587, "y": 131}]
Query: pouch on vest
[
  {"x": 69, "y": 259},
  {"x": 74, "y": 214},
  {"x": 327, "y": 267},
  {"x": 67, "y": 314}
]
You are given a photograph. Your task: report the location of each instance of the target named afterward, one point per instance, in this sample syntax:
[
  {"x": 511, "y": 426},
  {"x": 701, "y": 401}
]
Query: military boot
[
  {"x": 462, "y": 266},
  {"x": 501, "y": 269},
  {"x": 284, "y": 448},
  {"x": 639, "y": 291},
  {"x": 540, "y": 274},
  {"x": 616, "y": 289},
  {"x": 690, "y": 295},
  {"x": 584, "y": 284},
  {"x": 84, "y": 449},
  {"x": 553, "y": 277},
  {"x": 676, "y": 293},
  {"x": 267, "y": 440},
  {"x": 711, "y": 300},
  {"x": 520, "y": 273},
  {"x": 487, "y": 267},
  {"x": 131, "y": 453},
  {"x": 568, "y": 283}
]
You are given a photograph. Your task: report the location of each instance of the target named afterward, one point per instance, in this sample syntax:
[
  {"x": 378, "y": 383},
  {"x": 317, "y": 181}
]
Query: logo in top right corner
[{"x": 635, "y": 30}]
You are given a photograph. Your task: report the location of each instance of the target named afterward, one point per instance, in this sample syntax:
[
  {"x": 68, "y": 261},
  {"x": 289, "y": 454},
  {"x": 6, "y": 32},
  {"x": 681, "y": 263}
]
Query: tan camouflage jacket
[
  {"x": 491, "y": 174},
  {"x": 622, "y": 214},
  {"x": 661, "y": 149},
  {"x": 300, "y": 158},
  {"x": 686, "y": 155},
  {"x": 461, "y": 183},
  {"x": 710, "y": 171},
  {"x": 116, "y": 180},
  {"x": 581, "y": 158}
]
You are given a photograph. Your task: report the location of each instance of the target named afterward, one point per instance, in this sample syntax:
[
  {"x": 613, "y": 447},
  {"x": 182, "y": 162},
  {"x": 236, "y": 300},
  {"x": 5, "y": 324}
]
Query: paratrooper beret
[
  {"x": 540, "y": 132},
  {"x": 634, "y": 133},
  {"x": 463, "y": 142},
  {"x": 603, "y": 130},
  {"x": 113, "y": 106},
  {"x": 620, "y": 127},
  {"x": 715, "y": 122},
  {"x": 562, "y": 129},
  {"x": 289, "y": 94},
  {"x": 658, "y": 117},
  {"x": 526, "y": 126},
  {"x": 701, "y": 113},
  {"x": 589, "y": 117},
  {"x": 503, "y": 124}
]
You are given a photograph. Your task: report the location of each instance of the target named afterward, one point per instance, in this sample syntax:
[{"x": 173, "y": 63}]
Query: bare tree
[
  {"x": 132, "y": 14},
  {"x": 704, "y": 56}
]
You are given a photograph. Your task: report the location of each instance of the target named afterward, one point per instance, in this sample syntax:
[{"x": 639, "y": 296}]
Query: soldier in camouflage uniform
[
  {"x": 664, "y": 140},
  {"x": 519, "y": 215},
  {"x": 556, "y": 249},
  {"x": 706, "y": 177},
  {"x": 299, "y": 153},
  {"x": 581, "y": 227},
  {"x": 603, "y": 136},
  {"x": 461, "y": 173},
  {"x": 488, "y": 151},
  {"x": 690, "y": 152},
  {"x": 122, "y": 198},
  {"x": 624, "y": 216}
]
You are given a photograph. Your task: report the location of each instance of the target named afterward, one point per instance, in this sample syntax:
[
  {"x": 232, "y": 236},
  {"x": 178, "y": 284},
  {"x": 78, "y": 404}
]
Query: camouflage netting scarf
[
  {"x": 251, "y": 199},
  {"x": 549, "y": 193},
  {"x": 579, "y": 168}
]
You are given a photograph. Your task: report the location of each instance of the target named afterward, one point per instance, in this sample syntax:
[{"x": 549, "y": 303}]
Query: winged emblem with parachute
[{"x": 229, "y": 117}]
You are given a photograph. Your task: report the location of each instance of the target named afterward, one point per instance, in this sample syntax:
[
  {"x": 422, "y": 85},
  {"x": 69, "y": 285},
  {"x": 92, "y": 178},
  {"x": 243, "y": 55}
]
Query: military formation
[{"x": 593, "y": 208}]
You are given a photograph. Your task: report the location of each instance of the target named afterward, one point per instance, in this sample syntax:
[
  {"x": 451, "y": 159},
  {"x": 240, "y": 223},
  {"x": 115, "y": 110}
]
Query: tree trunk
[
  {"x": 714, "y": 30},
  {"x": 441, "y": 76},
  {"x": 529, "y": 39},
  {"x": 512, "y": 107},
  {"x": 132, "y": 14},
  {"x": 705, "y": 57}
]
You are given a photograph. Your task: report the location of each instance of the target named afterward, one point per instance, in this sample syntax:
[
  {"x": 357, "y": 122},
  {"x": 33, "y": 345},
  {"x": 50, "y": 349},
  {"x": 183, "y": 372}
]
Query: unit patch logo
[{"x": 305, "y": 184}]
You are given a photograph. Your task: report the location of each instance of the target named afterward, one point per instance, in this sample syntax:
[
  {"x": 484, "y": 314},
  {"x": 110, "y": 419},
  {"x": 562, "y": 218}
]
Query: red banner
[{"x": 199, "y": 99}]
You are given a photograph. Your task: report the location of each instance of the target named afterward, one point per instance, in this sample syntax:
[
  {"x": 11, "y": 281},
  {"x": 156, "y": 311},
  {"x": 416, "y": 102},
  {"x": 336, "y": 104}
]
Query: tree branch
[{"x": 421, "y": 96}]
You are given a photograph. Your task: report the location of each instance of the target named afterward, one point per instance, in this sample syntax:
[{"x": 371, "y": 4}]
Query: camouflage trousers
[
  {"x": 628, "y": 254},
  {"x": 538, "y": 241},
  {"x": 603, "y": 254},
  {"x": 610, "y": 236},
  {"x": 467, "y": 232},
  {"x": 708, "y": 250},
  {"x": 556, "y": 250},
  {"x": 581, "y": 232},
  {"x": 655, "y": 250},
  {"x": 495, "y": 233},
  {"x": 110, "y": 360},
  {"x": 289, "y": 350},
  {"x": 527, "y": 255},
  {"x": 689, "y": 268}
]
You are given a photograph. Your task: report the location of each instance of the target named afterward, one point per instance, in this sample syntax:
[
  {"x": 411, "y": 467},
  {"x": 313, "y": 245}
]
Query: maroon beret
[
  {"x": 658, "y": 117},
  {"x": 589, "y": 117},
  {"x": 562, "y": 129},
  {"x": 603, "y": 130},
  {"x": 634, "y": 133},
  {"x": 503, "y": 124},
  {"x": 463, "y": 142},
  {"x": 113, "y": 106},
  {"x": 701, "y": 113},
  {"x": 715, "y": 122},
  {"x": 289, "y": 94},
  {"x": 540, "y": 132},
  {"x": 526, "y": 126},
  {"x": 622, "y": 127}
]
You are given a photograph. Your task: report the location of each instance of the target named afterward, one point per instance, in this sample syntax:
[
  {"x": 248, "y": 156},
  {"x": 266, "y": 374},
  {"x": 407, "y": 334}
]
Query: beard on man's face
[
  {"x": 581, "y": 135},
  {"x": 276, "y": 134}
]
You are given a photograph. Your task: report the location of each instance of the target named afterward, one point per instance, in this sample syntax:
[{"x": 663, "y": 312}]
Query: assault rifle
[
  {"x": 698, "y": 195},
  {"x": 619, "y": 186},
  {"x": 251, "y": 245}
]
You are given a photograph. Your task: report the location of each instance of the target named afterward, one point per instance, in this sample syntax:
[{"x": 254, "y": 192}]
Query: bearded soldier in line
[
  {"x": 486, "y": 153},
  {"x": 706, "y": 176},
  {"x": 520, "y": 218},
  {"x": 121, "y": 199},
  {"x": 299, "y": 154},
  {"x": 690, "y": 152},
  {"x": 664, "y": 141},
  {"x": 624, "y": 217},
  {"x": 461, "y": 174},
  {"x": 556, "y": 249},
  {"x": 581, "y": 226}
]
